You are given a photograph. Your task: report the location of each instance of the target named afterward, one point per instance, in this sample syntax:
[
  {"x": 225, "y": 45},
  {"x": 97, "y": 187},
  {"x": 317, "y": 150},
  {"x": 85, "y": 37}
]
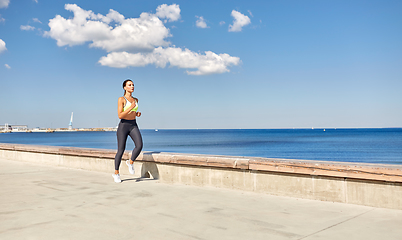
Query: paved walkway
[{"x": 41, "y": 202}]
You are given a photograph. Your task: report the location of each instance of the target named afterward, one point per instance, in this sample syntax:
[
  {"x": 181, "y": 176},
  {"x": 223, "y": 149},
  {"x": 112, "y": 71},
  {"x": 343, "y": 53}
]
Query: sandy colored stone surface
[
  {"x": 378, "y": 172},
  {"x": 42, "y": 202}
]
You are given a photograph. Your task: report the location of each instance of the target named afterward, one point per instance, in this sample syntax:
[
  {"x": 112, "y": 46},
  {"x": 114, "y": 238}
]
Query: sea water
[{"x": 346, "y": 145}]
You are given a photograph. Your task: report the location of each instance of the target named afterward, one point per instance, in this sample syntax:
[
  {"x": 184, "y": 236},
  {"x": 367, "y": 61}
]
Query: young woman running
[{"x": 127, "y": 110}]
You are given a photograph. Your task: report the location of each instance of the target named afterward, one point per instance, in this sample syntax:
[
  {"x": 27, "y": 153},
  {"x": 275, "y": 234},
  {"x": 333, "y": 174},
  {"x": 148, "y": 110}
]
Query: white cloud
[
  {"x": 36, "y": 20},
  {"x": 171, "y": 12},
  {"x": 208, "y": 63},
  {"x": 240, "y": 21},
  {"x": 2, "y": 46},
  {"x": 2, "y": 19},
  {"x": 131, "y": 34},
  {"x": 251, "y": 14},
  {"x": 27, "y": 28},
  {"x": 35, "y": 1},
  {"x": 4, "y": 3},
  {"x": 134, "y": 42},
  {"x": 222, "y": 23},
  {"x": 7, "y": 66},
  {"x": 201, "y": 22}
]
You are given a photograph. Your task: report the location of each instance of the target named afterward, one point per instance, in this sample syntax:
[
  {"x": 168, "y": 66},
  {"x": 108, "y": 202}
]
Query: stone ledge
[
  {"x": 377, "y": 172},
  {"x": 388, "y": 173},
  {"x": 70, "y": 151},
  {"x": 195, "y": 159}
]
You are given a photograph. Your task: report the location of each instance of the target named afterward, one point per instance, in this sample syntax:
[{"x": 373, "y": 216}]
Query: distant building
[{"x": 13, "y": 128}]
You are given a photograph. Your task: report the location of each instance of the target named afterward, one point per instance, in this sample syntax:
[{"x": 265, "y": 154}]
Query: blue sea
[{"x": 345, "y": 145}]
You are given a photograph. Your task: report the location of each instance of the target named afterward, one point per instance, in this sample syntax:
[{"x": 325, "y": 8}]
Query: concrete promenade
[{"x": 44, "y": 202}]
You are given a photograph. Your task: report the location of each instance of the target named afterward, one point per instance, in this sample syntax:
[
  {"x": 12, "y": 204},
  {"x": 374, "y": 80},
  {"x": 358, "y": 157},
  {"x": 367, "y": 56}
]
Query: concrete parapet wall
[{"x": 357, "y": 183}]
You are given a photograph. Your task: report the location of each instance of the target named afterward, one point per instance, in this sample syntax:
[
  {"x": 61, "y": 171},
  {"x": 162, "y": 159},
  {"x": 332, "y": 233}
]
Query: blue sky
[{"x": 202, "y": 64}]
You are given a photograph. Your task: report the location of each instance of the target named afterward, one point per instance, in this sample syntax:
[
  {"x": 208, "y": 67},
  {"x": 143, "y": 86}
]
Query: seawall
[{"x": 355, "y": 183}]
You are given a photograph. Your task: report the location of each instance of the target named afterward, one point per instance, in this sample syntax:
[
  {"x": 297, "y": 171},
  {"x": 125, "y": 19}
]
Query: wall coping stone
[{"x": 363, "y": 171}]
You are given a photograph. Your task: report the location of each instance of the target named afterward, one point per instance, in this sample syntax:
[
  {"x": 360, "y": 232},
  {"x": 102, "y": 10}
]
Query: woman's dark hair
[{"x": 125, "y": 82}]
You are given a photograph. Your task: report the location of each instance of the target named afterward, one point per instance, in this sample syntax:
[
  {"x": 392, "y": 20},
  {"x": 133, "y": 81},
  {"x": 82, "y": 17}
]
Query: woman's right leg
[{"x": 122, "y": 132}]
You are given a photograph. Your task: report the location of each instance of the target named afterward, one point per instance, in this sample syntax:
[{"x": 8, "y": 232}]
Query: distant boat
[{"x": 156, "y": 130}]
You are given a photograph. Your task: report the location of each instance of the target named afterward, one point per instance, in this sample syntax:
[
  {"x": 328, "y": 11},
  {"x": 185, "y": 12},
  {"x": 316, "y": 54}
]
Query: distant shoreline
[
  {"x": 50, "y": 130},
  {"x": 113, "y": 129}
]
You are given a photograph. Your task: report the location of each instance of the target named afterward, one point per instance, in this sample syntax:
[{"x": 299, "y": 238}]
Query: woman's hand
[
  {"x": 138, "y": 114},
  {"x": 133, "y": 104}
]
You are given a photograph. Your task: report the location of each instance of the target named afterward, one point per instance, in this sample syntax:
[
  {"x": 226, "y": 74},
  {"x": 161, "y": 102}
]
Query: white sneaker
[
  {"x": 130, "y": 167},
  {"x": 116, "y": 178}
]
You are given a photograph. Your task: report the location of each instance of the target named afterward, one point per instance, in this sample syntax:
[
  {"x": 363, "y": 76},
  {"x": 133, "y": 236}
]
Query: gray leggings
[{"x": 126, "y": 128}]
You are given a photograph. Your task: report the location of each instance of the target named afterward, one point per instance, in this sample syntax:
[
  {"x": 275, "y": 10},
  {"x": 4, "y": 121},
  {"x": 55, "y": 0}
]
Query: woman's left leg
[{"x": 137, "y": 138}]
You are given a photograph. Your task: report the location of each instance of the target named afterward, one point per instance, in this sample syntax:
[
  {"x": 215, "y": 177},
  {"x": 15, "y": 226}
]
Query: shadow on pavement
[{"x": 140, "y": 179}]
